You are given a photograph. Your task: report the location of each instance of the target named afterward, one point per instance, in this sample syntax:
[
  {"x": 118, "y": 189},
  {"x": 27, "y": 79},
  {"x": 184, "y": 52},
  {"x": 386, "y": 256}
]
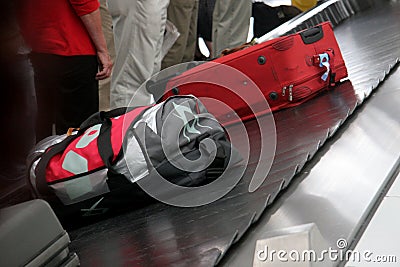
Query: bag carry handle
[
  {"x": 312, "y": 35},
  {"x": 101, "y": 116}
]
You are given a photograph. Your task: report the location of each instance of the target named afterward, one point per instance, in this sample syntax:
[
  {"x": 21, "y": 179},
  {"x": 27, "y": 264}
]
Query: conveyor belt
[
  {"x": 339, "y": 189},
  {"x": 334, "y": 11},
  {"x": 161, "y": 235}
]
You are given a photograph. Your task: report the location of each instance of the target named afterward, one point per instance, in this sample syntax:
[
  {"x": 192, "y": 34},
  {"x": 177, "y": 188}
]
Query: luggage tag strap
[{"x": 326, "y": 60}]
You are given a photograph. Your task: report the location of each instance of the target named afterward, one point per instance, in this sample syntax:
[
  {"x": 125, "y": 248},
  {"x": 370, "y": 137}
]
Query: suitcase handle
[
  {"x": 157, "y": 87},
  {"x": 312, "y": 35}
]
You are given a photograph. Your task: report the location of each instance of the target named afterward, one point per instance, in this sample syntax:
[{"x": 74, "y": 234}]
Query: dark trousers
[
  {"x": 66, "y": 91},
  {"x": 17, "y": 115}
]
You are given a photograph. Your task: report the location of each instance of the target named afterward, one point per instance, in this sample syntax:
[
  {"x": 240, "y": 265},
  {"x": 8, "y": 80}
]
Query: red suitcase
[{"x": 282, "y": 72}]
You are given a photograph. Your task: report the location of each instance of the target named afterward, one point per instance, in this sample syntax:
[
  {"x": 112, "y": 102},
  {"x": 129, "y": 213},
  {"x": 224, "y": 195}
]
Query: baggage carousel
[{"x": 335, "y": 157}]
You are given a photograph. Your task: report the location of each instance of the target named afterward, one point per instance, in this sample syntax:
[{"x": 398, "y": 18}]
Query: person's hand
[{"x": 105, "y": 65}]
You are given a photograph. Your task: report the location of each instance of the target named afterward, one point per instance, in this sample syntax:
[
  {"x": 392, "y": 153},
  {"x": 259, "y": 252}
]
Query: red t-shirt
[{"x": 55, "y": 27}]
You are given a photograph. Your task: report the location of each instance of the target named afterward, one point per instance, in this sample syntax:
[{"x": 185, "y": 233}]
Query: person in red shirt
[{"x": 69, "y": 55}]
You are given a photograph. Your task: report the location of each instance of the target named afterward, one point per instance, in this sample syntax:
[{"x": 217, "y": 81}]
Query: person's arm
[
  {"x": 92, "y": 22},
  {"x": 88, "y": 11}
]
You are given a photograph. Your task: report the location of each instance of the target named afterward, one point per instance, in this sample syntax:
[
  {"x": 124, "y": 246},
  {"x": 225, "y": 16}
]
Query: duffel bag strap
[
  {"x": 218, "y": 166},
  {"x": 104, "y": 142},
  {"x": 97, "y": 118},
  {"x": 104, "y": 145}
]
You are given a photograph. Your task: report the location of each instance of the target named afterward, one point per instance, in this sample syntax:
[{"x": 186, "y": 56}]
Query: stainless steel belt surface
[{"x": 162, "y": 235}]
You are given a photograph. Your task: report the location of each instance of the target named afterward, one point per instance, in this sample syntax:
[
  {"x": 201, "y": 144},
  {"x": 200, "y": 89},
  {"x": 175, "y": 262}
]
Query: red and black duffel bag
[
  {"x": 285, "y": 72},
  {"x": 95, "y": 170}
]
